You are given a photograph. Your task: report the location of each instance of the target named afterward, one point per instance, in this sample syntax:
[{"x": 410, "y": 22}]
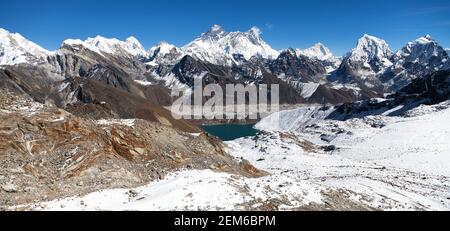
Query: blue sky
[{"x": 298, "y": 24}]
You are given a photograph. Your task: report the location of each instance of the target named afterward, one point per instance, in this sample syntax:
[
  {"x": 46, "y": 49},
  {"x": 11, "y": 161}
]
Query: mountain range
[{"x": 90, "y": 72}]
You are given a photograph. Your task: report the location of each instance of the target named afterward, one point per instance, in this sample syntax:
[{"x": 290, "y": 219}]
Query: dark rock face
[
  {"x": 435, "y": 87},
  {"x": 328, "y": 148},
  {"x": 299, "y": 68},
  {"x": 430, "y": 89},
  {"x": 327, "y": 94},
  {"x": 30, "y": 80},
  {"x": 189, "y": 68},
  {"x": 288, "y": 94}
]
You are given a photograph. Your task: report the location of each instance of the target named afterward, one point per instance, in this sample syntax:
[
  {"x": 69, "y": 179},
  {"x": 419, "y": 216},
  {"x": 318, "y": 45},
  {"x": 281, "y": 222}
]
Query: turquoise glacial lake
[{"x": 227, "y": 132}]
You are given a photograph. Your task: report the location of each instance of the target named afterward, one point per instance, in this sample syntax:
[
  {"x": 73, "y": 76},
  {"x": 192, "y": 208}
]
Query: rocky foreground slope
[{"x": 48, "y": 153}]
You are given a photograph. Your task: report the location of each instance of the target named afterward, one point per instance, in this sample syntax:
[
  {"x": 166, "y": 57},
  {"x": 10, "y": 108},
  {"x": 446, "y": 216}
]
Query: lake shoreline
[
  {"x": 228, "y": 132},
  {"x": 204, "y": 122}
]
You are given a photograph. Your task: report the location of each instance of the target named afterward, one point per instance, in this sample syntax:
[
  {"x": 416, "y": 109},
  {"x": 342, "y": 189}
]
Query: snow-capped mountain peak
[
  {"x": 318, "y": 51},
  {"x": 424, "y": 39},
  {"x": 420, "y": 50},
  {"x": 112, "y": 46},
  {"x": 132, "y": 40},
  {"x": 101, "y": 45},
  {"x": 15, "y": 49},
  {"x": 218, "y": 47},
  {"x": 321, "y": 53},
  {"x": 424, "y": 54},
  {"x": 134, "y": 45},
  {"x": 290, "y": 51},
  {"x": 255, "y": 32},
  {"x": 163, "y": 47},
  {"x": 216, "y": 27},
  {"x": 372, "y": 55},
  {"x": 165, "y": 53},
  {"x": 370, "y": 58},
  {"x": 214, "y": 33},
  {"x": 371, "y": 47}
]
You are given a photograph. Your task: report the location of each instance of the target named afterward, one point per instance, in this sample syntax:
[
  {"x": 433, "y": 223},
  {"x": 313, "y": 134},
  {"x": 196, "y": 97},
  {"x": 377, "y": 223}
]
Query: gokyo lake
[{"x": 227, "y": 132}]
